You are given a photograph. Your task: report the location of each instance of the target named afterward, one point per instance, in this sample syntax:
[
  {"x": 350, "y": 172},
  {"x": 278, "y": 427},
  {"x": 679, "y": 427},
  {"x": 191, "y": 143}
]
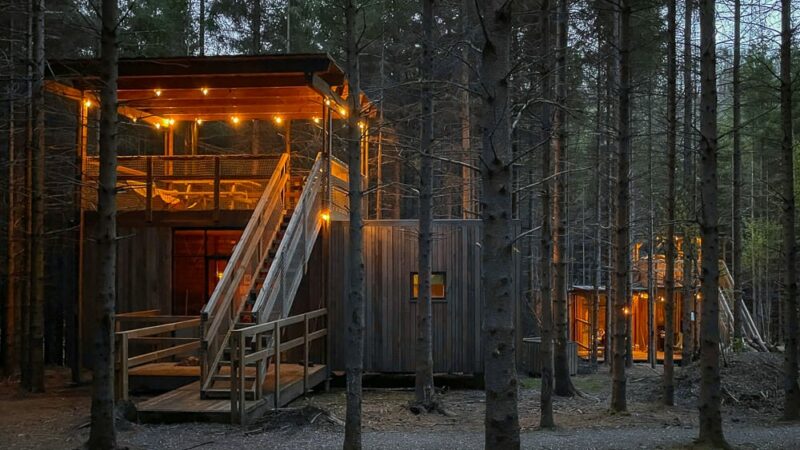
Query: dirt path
[{"x": 57, "y": 419}]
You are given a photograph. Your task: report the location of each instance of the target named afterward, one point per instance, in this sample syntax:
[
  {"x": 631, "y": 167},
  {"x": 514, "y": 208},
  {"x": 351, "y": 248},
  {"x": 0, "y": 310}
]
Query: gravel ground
[{"x": 207, "y": 437}]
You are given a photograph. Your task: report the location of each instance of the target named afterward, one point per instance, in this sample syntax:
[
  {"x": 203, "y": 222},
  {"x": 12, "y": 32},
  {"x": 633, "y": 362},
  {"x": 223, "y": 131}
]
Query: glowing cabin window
[{"x": 438, "y": 289}]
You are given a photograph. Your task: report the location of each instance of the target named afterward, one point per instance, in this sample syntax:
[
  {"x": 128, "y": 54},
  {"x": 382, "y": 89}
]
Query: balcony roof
[{"x": 290, "y": 86}]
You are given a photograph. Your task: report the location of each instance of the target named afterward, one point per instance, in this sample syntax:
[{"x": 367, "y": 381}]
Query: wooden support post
[
  {"x": 277, "y": 356},
  {"x": 217, "y": 174},
  {"x": 149, "y": 189},
  {"x": 305, "y": 355},
  {"x": 241, "y": 381},
  {"x": 260, "y": 369},
  {"x": 123, "y": 360},
  {"x": 195, "y": 137}
]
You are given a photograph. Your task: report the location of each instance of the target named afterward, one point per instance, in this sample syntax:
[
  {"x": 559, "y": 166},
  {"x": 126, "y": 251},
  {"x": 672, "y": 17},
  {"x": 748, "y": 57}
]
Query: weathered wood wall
[{"x": 390, "y": 257}]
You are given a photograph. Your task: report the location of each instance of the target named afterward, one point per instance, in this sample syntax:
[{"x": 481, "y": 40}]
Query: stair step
[{"x": 228, "y": 377}]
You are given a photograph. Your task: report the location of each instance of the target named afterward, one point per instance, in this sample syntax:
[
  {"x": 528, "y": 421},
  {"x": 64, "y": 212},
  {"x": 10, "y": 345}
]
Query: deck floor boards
[{"x": 185, "y": 404}]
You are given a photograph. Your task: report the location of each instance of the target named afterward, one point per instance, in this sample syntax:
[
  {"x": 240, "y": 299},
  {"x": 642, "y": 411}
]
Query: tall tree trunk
[
  {"x": 546, "y": 245},
  {"x": 688, "y": 190},
  {"x": 709, "y": 402},
  {"x": 465, "y": 117},
  {"x": 12, "y": 306},
  {"x": 669, "y": 276},
  {"x": 36, "y": 347},
  {"x": 255, "y": 28},
  {"x": 354, "y": 309},
  {"x": 738, "y": 276},
  {"x": 502, "y": 420},
  {"x": 598, "y": 274},
  {"x": 202, "y": 32},
  {"x": 563, "y": 383},
  {"x": 424, "y": 388},
  {"x": 652, "y": 279},
  {"x": 791, "y": 405},
  {"x": 25, "y": 263},
  {"x": 103, "y": 432},
  {"x": 620, "y": 310}
]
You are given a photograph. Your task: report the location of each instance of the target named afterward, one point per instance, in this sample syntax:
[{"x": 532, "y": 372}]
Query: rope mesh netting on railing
[{"x": 176, "y": 183}]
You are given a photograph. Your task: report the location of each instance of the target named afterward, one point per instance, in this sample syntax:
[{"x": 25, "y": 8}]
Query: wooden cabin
[{"x": 231, "y": 266}]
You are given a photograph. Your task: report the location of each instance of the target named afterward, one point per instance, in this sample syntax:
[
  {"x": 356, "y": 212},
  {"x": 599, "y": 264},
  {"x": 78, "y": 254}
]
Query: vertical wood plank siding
[{"x": 390, "y": 256}]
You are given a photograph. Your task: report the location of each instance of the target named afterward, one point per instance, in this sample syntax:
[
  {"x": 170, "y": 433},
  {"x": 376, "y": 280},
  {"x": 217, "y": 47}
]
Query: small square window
[{"x": 437, "y": 285}]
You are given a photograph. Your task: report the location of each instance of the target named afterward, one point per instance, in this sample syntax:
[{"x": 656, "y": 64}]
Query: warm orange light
[
  {"x": 661, "y": 299},
  {"x": 327, "y": 102},
  {"x": 626, "y": 311},
  {"x": 316, "y": 120},
  {"x": 219, "y": 275},
  {"x": 278, "y": 120},
  {"x": 235, "y": 119},
  {"x": 134, "y": 119},
  {"x": 199, "y": 121},
  {"x": 325, "y": 216},
  {"x": 158, "y": 126},
  {"x": 171, "y": 122},
  {"x": 699, "y": 296},
  {"x": 343, "y": 112},
  {"x": 158, "y": 92},
  {"x": 87, "y": 103},
  {"x": 204, "y": 91},
  {"x": 361, "y": 125}
]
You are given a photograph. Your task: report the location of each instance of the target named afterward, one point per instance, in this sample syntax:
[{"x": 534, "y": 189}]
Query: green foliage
[{"x": 158, "y": 28}]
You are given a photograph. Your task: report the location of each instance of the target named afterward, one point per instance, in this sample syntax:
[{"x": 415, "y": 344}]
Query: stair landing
[{"x": 185, "y": 405}]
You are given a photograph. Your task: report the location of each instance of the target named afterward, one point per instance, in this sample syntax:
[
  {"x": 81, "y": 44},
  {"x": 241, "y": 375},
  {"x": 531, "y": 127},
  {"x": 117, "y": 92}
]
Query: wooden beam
[
  {"x": 80, "y": 96},
  {"x": 324, "y": 89}
]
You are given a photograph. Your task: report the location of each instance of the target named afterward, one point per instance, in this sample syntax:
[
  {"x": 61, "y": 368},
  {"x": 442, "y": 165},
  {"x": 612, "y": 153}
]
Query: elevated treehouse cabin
[
  {"x": 581, "y": 299},
  {"x": 231, "y": 274}
]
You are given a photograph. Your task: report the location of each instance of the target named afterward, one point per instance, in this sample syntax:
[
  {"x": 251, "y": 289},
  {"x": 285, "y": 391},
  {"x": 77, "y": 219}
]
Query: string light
[
  {"x": 626, "y": 311},
  {"x": 235, "y": 119},
  {"x": 343, "y": 112},
  {"x": 199, "y": 121},
  {"x": 171, "y": 122},
  {"x": 204, "y": 91},
  {"x": 361, "y": 125},
  {"x": 134, "y": 119},
  {"x": 158, "y": 126},
  {"x": 325, "y": 216},
  {"x": 327, "y": 102},
  {"x": 87, "y": 103},
  {"x": 158, "y": 92},
  {"x": 316, "y": 120},
  {"x": 278, "y": 120}
]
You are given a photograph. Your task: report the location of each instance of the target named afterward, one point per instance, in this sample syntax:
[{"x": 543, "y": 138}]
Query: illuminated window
[{"x": 437, "y": 285}]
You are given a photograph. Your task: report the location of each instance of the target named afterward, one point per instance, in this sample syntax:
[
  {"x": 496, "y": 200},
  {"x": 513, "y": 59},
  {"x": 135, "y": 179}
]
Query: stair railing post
[
  {"x": 305, "y": 354},
  {"x": 242, "y": 378},
  {"x": 234, "y": 385},
  {"x": 259, "y": 383},
  {"x": 277, "y": 357},
  {"x": 217, "y": 174}
]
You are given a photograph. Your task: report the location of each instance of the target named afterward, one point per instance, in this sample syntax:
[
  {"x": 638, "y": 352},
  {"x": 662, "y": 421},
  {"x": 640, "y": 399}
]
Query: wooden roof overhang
[{"x": 213, "y": 88}]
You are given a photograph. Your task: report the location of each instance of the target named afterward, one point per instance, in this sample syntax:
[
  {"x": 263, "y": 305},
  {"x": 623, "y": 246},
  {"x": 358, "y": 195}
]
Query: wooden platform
[{"x": 185, "y": 405}]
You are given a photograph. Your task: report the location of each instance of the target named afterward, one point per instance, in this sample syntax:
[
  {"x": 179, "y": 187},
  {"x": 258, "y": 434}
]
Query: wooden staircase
[{"x": 261, "y": 279}]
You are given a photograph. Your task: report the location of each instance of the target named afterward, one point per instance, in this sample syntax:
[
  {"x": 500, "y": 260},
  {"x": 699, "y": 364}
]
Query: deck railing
[
  {"x": 161, "y": 337},
  {"x": 177, "y": 183},
  {"x": 261, "y": 345},
  {"x": 288, "y": 266},
  {"x": 226, "y": 302}
]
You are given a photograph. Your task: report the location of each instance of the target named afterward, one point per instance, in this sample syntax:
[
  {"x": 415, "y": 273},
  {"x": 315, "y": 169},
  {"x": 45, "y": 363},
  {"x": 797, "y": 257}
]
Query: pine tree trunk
[
  {"x": 738, "y": 275},
  {"x": 36, "y": 346},
  {"x": 710, "y": 399},
  {"x": 424, "y": 388},
  {"x": 687, "y": 350},
  {"x": 563, "y": 383},
  {"x": 619, "y": 316},
  {"x": 546, "y": 245},
  {"x": 103, "y": 432},
  {"x": 12, "y": 306},
  {"x": 598, "y": 274},
  {"x": 791, "y": 405},
  {"x": 502, "y": 420},
  {"x": 202, "y": 32},
  {"x": 669, "y": 276},
  {"x": 354, "y": 309},
  {"x": 464, "y": 114}
]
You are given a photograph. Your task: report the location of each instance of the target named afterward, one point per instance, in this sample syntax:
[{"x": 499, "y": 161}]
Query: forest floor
[{"x": 751, "y": 403}]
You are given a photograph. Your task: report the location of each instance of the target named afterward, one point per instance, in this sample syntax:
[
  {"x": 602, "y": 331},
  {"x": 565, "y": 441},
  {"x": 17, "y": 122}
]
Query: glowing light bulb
[
  {"x": 158, "y": 126},
  {"x": 204, "y": 91},
  {"x": 87, "y": 103},
  {"x": 327, "y": 102},
  {"x": 235, "y": 119},
  {"x": 316, "y": 120},
  {"x": 361, "y": 125},
  {"x": 134, "y": 120},
  {"x": 171, "y": 122},
  {"x": 626, "y": 311},
  {"x": 199, "y": 121},
  {"x": 278, "y": 120},
  {"x": 325, "y": 216},
  {"x": 343, "y": 112},
  {"x": 158, "y": 92}
]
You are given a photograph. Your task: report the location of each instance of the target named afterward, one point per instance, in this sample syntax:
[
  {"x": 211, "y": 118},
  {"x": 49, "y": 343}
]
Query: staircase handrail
[
  {"x": 300, "y": 236},
  {"x": 230, "y": 294}
]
